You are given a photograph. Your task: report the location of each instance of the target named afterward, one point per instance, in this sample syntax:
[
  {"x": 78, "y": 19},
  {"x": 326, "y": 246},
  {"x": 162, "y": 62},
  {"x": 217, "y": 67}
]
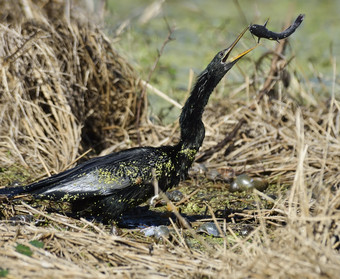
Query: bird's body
[
  {"x": 109, "y": 185},
  {"x": 114, "y": 182}
]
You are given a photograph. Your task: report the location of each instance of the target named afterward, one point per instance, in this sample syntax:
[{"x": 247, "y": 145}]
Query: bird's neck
[{"x": 192, "y": 128}]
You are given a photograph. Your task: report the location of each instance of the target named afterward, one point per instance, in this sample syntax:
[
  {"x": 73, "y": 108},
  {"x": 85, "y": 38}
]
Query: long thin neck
[{"x": 192, "y": 128}]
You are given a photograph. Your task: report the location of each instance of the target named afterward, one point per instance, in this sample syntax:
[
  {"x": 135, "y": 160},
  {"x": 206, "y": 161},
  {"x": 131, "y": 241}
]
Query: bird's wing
[
  {"x": 97, "y": 182},
  {"x": 97, "y": 177}
]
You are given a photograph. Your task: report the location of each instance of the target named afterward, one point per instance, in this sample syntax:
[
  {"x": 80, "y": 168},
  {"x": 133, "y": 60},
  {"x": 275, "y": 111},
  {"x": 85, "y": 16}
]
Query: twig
[
  {"x": 240, "y": 11},
  {"x": 36, "y": 211},
  {"x": 274, "y": 71},
  {"x": 215, "y": 220},
  {"x": 78, "y": 158},
  {"x": 185, "y": 224},
  {"x": 186, "y": 198},
  {"x": 182, "y": 240},
  {"x": 208, "y": 153},
  {"x": 181, "y": 219},
  {"x": 143, "y": 94},
  {"x": 21, "y": 50},
  {"x": 161, "y": 94}
]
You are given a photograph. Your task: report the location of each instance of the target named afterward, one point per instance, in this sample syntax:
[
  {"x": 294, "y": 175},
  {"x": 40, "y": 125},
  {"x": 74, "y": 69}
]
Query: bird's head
[{"x": 220, "y": 64}]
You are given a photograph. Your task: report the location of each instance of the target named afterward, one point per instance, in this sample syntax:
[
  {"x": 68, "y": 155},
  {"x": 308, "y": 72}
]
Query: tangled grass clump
[{"x": 63, "y": 89}]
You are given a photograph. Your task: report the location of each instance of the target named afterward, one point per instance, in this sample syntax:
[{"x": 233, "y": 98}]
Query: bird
[{"x": 108, "y": 186}]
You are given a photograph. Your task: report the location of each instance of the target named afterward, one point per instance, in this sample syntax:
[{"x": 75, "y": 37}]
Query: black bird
[{"x": 109, "y": 185}]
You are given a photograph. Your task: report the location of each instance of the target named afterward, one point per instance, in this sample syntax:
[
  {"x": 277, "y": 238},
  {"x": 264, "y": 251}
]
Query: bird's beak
[{"x": 229, "y": 49}]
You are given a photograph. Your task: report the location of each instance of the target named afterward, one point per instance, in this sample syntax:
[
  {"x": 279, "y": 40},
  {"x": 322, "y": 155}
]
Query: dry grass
[
  {"x": 63, "y": 89},
  {"x": 288, "y": 143}
]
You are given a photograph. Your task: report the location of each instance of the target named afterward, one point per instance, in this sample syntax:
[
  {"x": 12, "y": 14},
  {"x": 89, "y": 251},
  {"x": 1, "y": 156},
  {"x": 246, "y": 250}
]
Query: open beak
[{"x": 229, "y": 49}]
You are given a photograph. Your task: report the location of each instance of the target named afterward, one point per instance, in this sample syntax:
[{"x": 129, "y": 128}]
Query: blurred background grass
[{"x": 204, "y": 27}]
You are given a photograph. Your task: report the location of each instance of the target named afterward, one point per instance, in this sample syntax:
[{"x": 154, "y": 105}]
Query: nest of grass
[
  {"x": 63, "y": 88},
  {"x": 292, "y": 145}
]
